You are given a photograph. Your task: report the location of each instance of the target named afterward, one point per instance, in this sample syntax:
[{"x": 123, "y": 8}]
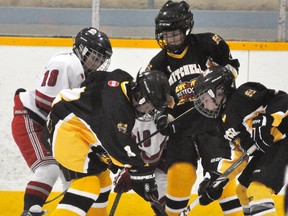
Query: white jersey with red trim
[
  {"x": 151, "y": 149},
  {"x": 62, "y": 71}
]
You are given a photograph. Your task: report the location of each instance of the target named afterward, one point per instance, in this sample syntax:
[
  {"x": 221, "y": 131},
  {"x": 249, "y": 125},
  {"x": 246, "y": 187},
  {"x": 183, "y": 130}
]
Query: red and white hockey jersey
[
  {"x": 62, "y": 71},
  {"x": 151, "y": 149}
]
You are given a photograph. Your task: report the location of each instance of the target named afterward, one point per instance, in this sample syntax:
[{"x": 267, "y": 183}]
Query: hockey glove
[
  {"x": 122, "y": 181},
  {"x": 161, "y": 121},
  {"x": 169, "y": 130},
  {"x": 163, "y": 126},
  {"x": 144, "y": 184},
  {"x": 261, "y": 132},
  {"x": 207, "y": 193}
]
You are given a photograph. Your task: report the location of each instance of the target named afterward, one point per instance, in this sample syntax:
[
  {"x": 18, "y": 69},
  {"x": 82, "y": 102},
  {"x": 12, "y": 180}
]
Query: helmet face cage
[
  {"x": 211, "y": 88},
  {"x": 95, "y": 61},
  {"x": 151, "y": 90},
  {"x": 172, "y": 41},
  {"x": 173, "y": 16},
  {"x": 93, "y": 48},
  {"x": 141, "y": 104},
  {"x": 200, "y": 104}
]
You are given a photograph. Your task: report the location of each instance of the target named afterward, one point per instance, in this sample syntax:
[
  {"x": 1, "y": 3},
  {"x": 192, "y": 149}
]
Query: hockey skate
[{"x": 35, "y": 210}]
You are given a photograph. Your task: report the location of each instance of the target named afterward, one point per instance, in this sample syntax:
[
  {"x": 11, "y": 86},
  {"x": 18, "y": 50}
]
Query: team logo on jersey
[
  {"x": 250, "y": 92},
  {"x": 113, "y": 83},
  {"x": 185, "y": 91},
  {"x": 217, "y": 38},
  {"x": 122, "y": 127}
]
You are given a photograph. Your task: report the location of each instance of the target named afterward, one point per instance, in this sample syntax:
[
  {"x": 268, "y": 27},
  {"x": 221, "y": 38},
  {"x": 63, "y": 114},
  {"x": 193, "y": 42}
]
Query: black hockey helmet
[
  {"x": 215, "y": 83},
  {"x": 93, "y": 48},
  {"x": 151, "y": 89},
  {"x": 173, "y": 16}
]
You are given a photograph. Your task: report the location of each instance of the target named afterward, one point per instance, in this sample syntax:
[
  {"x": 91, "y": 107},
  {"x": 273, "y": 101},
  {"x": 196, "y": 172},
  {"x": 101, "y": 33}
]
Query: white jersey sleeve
[
  {"x": 152, "y": 148},
  {"x": 62, "y": 71}
]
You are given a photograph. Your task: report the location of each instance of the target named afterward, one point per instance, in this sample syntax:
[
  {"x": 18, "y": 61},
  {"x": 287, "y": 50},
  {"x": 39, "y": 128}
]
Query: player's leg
[
  {"x": 286, "y": 201},
  {"x": 286, "y": 192},
  {"x": 26, "y": 134},
  {"x": 80, "y": 196},
  {"x": 268, "y": 179},
  {"x": 244, "y": 181},
  {"x": 229, "y": 200},
  {"x": 99, "y": 207},
  {"x": 217, "y": 156},
  {"x": 181, "y": 174},
  {"x": 260, "y": 199},
  {"x": 161, "y": 181},
  {"x": 242, "y": 196}
]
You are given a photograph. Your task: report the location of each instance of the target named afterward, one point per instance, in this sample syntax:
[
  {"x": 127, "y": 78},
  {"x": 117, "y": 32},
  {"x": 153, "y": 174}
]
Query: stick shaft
[
  {"x": 186, "y": 211},
  {"x": 115, "y": 203},
  {"x": 158, "y": 131},
  {"x": 235, "y": 165}
]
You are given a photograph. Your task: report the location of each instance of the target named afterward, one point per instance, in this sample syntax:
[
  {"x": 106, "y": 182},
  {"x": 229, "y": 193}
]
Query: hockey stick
[
  {"x": 158, "y": 131},
  {"x": 235, "y": 165},
  {"x": 189, "y": 208},
  {"x": 61, "y": 194},
  {"x": 115, "y": 203},
  {"x": 222, "y": 178},
  {"x": 156, "y": 206}
]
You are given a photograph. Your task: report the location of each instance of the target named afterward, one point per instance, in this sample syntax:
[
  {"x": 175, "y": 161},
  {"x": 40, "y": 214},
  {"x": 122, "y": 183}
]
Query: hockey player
[
  {"x": 90, "y": 127},
  {"x": 183, "y": 57},
  {"x": 153, "y": 152},
  {"x": 91, "y": 51},
  {"x": 251, "y": 114}
]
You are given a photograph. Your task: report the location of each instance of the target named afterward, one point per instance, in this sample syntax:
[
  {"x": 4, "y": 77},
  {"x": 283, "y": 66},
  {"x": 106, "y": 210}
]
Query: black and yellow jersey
[
  {"x": 97, "y": 114},
  {"x": 182, "y": 69},
  {"x": 248, "y": 101}
]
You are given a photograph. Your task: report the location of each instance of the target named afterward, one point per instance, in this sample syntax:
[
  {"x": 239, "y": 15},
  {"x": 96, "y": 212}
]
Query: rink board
[{"x": 130, "y": 205}]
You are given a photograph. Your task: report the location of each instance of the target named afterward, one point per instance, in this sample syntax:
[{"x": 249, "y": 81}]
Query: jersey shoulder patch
[{"x": 251, "y": 90}]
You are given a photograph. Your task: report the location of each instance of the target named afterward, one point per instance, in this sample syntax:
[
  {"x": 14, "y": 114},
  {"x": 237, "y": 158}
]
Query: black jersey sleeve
[
  {"x": 160, "y": 62},
  {"x": 119, "y": 120},
  {"x": 216, "y": 48}
]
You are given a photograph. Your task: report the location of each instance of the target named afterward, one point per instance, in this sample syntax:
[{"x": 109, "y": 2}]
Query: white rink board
[{"x": 20, "y": 65}]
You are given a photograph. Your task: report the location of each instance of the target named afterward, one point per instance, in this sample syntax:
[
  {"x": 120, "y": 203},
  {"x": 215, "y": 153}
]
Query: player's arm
[
  {"x": 216, "y": 48},
  {"x": 267, "y": 108},
  {"x": 267, "y": 127}
]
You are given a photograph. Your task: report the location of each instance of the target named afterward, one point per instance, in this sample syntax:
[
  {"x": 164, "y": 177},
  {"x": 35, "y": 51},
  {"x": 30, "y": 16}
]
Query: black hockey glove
[
  {"x": 161, "y": 121},
  {"x": 207, "y": 193},
  {"x": 144, "y": 184},
  {"x": 163, "y": 126},
  {"x": 261, "y": 132}
]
